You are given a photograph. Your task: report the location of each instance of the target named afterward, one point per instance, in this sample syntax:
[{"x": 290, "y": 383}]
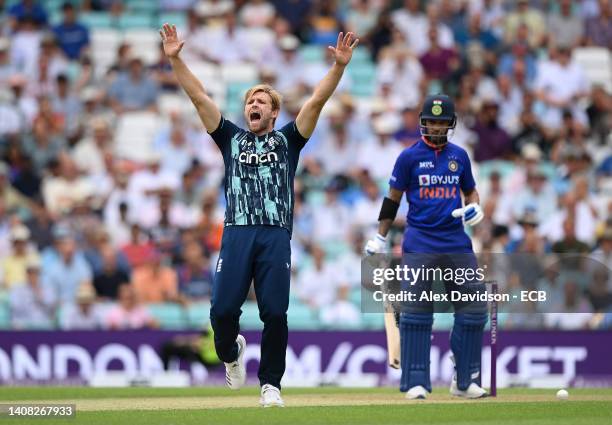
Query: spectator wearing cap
[
  {"x": 32, "y": 305},
  {"x": 538, "y": 195},
  {"x": 286, "y": 62},
  {"x": 129, "y": 312},
  {"x": 133, "y": 90},
  {"x": 68, "y": 189},
  {"x": 84, "y": 313},
  {"x": 565, "y": 27},
  {"x": 67, "y": 269},
  {"x": 14, "y": 265},
  {"x": 89, "y": 152},
  {"x": 599, "y": 27},
  {"x": 376, "y": 156},
  {"x": 154, "y": 282},
  {"x": 71, "y": 36},
  {"x": 493, "y": 142}
]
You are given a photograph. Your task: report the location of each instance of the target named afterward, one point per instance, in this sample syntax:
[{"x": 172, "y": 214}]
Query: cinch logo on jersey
[{"x": 255, "y": 159}]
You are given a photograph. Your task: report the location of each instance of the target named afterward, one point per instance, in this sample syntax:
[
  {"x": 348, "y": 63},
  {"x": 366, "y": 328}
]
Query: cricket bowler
[
  {"x": 434, "y": 173},
  {"x": 260, "y": 164}
]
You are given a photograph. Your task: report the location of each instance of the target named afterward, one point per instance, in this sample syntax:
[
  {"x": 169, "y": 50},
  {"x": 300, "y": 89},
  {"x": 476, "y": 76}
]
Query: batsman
[{"x": 435, "y": 174}]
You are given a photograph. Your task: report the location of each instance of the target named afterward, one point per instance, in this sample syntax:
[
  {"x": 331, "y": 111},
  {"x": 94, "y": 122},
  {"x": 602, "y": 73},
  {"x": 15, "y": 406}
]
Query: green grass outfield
[{"x": 218, "y": 406}]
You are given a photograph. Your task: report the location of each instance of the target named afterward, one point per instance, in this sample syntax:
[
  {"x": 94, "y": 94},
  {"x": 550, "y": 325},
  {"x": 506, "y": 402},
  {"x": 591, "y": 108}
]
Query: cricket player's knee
[
  {"x": 416, "y": 319},
  {"x": 273, "y": 317},
  {"x": 471, "y": 320}
]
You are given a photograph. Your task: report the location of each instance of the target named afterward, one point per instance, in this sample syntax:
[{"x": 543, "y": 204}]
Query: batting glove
[
  {"x": 376, "y": 245},
  {"x": 472, "y": 214}
]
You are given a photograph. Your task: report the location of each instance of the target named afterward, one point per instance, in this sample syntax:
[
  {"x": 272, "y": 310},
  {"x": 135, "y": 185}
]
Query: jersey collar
[{"x": 431, "y": 146}]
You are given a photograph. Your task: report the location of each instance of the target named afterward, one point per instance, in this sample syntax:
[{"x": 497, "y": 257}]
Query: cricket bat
[{"x": 393, "y": 338}]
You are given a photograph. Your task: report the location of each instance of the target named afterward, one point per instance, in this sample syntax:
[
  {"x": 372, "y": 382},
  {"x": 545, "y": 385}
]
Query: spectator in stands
[
  {"x": 438, "y": 62},
  {"x": 600, "y": 114},
  {"x": 337, "y": 153},
  {"x": 139, "y": 248},
  {"x": 361, "y": 17},
  {"x": 560, "y": 85},
  {"x": 129, "y": 313},
  {"x": 89, "y": 152},
  {"x": 84, "y": 313},
  {"x": 110, "y": 276},
  {"x": 287, "y": 64},
  {"x": 477, "y": 33},
  {"x": 565, "y": 27},
  {"x": 14, "y": 265},
  {"x": 569, "y": 243},
  {"x": 133, "y": 90},
  {"x": 331, "y": 220},
  {"x": 154, "y": 282},
  {"x": 63, "y": 192},
  {"x": 194, "y": 275},
  {"x": 519, "y": 52},
  {"x": 7, "y": 68},
  {"x": 375, "y": 156},
  {"x": 66, "y": 103},
  {"x": 492, "y": 141},
  {"x": 325, "y": 22},
  {"x": 71, "y": 36},
  {"x": 26, "y": 179},
  {"x": 39, "y": 225},
  {"x": 32, "y": 304},
  {"x": 65, "y": 269},
  {"x": 296, "y": 12},
  {"x": 176, "y": 156},
  {"x": 210, "y": 224},
  {"x": 524, "y": 14},
  {"x": 598, "y": 291},
  {"x": 28, "y": 9},
  {"x": 341, "y": 312},
  {"x": 256, "y": 13},
  {"x": 161, "y": 73},
  {"x": 317, "y": 285},
  {"x": 10, "y": 197},
  {"x": 229, "y": 43},
  {"x": 409, "y": 19},
  {"x": 599, "y": 27},
  {"x": 574, "y": 313}
]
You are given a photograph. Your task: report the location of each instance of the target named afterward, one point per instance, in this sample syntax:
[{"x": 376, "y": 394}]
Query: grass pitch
[{"x": 218, "y": 406}]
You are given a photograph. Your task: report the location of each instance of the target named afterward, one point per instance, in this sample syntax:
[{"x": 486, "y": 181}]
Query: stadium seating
[
  {"x": 135, "y": 132},
  {"x": 169, "y": 316},
  {"x": 597, "y": 64}
]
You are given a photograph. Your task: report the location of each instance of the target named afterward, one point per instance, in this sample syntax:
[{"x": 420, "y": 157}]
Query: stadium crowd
[{"x": 110, "y": 198}]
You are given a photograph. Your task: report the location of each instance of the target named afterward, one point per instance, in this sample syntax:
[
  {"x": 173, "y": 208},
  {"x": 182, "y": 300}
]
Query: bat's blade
[{"x": 393, "y": 340}]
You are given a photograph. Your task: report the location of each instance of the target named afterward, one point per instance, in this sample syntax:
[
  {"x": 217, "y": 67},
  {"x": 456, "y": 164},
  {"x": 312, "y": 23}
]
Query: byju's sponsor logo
[
  {"x": 424, "y": 180},
  {"x": 430, "y": 180}
]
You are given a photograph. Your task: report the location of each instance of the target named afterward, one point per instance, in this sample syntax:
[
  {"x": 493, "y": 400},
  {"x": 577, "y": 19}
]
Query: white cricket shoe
[
  {"x": 235, "y": 372},
  {"x": 416, "y": 393},
  {"x": 270, "y": 397},
  {"x": 473, "y": 391}
]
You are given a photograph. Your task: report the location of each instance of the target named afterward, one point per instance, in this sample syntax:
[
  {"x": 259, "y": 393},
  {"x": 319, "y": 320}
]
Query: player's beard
[{"x": 438, "y": 139}]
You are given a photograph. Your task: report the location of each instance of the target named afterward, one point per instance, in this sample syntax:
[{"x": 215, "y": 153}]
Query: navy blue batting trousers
[{"x": 261, "y": 254}]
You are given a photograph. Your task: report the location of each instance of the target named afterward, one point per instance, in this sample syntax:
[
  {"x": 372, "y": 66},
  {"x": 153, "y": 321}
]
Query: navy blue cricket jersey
[
  {"x": 259, "y": 173},
  {"x": 433, "y": 180}
]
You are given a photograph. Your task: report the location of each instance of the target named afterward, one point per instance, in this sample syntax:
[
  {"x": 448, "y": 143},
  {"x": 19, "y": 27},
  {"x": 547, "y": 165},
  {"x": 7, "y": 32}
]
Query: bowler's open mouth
[{"x": 255, "y": 116}]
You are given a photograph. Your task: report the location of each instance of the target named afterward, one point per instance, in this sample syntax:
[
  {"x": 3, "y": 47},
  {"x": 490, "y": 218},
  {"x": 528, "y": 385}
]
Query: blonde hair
[{"x": 266, "y": 88}]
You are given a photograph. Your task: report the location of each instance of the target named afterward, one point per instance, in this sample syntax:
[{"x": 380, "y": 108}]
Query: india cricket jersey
[
  {"x": 433, "y": 180},
  {"x": 259, "y": 173}
]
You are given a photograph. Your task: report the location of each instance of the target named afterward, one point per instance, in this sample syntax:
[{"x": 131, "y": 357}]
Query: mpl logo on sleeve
[{"x": 426, "y": 164}]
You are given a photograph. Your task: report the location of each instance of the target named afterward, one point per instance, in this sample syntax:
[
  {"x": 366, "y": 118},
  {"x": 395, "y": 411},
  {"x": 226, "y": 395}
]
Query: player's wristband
[{"x": 388, "y": 210}]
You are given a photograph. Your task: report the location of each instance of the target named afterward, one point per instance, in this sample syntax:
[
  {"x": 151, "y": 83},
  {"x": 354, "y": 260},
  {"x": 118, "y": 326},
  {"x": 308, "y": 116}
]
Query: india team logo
[
  {"x": 436, "y": 109},
  {"x": 452, "y": 165}
]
